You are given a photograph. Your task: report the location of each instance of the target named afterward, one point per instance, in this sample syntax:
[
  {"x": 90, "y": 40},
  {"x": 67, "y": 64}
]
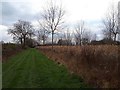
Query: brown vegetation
[
  {"x": 9, "y": 50},
  {"x": 97, "y": 65}
]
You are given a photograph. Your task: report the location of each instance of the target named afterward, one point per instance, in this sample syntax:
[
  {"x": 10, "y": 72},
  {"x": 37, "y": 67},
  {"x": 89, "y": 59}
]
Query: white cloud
[
  {"x": 86, "y": 9},
  {"x": 35, "y": 24},
  {"x": 4, "y": 34}
]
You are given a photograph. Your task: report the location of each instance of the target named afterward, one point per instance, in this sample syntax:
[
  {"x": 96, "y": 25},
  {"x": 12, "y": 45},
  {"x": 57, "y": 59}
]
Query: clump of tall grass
[{"x": 98, "y": 65}]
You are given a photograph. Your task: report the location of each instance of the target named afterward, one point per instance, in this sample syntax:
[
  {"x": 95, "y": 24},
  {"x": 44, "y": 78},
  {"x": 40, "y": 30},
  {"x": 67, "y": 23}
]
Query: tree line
[{"x": 53, "y": 21}]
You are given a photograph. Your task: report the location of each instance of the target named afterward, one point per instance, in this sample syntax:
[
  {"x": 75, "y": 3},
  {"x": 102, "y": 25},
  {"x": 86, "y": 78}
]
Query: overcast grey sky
[{"x": 91, "y": 11}]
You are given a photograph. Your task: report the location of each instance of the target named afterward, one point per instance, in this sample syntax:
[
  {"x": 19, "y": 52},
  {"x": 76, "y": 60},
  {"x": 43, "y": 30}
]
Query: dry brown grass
[
  {"x": 9, "y": 50},
  {"x": 98, "y": 65}
]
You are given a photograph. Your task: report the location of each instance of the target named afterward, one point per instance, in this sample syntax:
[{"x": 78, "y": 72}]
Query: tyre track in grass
[
  {"x": 32, "y": 71},
  {"x": 15, "y": 60},
  {"x": 25, "y": 73},
  {"x": 14, "y": 70},
  {"x": 42, "y": 77},
  {"x": 21, "y": 78}
]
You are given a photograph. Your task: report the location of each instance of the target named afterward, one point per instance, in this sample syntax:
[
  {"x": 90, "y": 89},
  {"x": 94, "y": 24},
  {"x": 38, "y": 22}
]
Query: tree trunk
[
  {"x": 43, "y": 42},
  {"x": 52, "y": 39},
  {"x": 21, "y": 41},
  {"x": 24, "y": 37},
  {"x": 110, "y": 37},
  {"x": 115, "y": 37},
  {"x": 80, "y": 38}
]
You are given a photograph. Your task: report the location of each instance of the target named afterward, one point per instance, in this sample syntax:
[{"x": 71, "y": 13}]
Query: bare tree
[
  {"x": 87, "y": 37},
  {"x": 80, "y": 29},
  {"x": 42, "y": 35},
  {"x": 52, "y": 18},
  {"x": 94, "y": 37},
  {"x": 110, "y": 24},
  {"x": 68, "y": 37},
  {"x": 21, "y": 30}
]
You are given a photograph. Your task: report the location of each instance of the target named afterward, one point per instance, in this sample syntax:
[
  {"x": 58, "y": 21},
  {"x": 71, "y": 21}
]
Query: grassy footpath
[{"x": 31, "y": 69}]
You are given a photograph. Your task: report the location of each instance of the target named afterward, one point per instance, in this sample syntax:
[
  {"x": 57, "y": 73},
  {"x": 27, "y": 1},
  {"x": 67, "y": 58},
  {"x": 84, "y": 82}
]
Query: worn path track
[{"x": 31, "y": 69}]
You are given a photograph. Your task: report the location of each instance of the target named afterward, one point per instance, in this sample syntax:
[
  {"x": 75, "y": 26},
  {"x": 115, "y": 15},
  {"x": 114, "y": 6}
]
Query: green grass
[{"x": 31, "y": 69}]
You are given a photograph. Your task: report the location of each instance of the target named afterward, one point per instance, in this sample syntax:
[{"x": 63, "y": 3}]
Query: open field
[
  {"x": 31, "y": 69},
  {"x": 99, "y": 65}
]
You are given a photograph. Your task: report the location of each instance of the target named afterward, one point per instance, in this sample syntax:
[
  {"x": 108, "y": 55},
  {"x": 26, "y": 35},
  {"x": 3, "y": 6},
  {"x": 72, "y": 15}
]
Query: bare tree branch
[{"x": 52, "y": 18}]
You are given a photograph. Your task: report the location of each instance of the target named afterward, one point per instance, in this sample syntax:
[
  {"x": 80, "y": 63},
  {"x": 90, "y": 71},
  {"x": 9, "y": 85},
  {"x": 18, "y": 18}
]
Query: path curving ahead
[{"x": 31, "y": 69}]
